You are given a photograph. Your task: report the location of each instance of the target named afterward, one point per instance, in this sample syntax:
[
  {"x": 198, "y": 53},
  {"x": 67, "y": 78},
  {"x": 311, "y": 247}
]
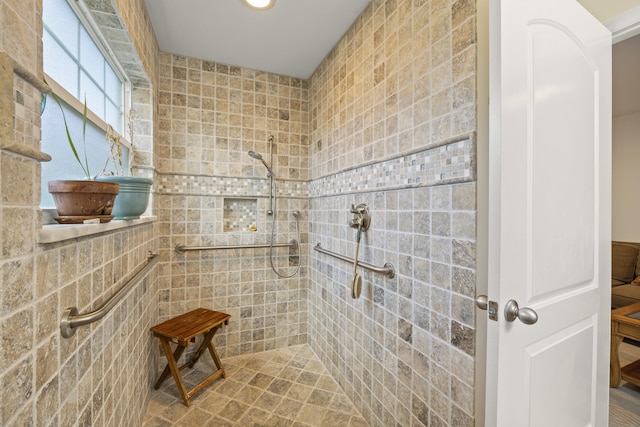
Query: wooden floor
[{"x": 624, "y": 401}]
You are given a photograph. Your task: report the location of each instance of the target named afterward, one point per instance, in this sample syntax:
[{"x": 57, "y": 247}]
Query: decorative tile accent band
[
  {"x": 449, "y": 163},
  {"x": 224, "y": 186}
]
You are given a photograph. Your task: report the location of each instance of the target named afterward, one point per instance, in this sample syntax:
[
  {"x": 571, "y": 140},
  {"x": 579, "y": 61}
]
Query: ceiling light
[{"x": 260, "y": 4}]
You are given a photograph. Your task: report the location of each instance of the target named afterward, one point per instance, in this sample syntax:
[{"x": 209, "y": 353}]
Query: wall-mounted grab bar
[
  {"x": 71, "y": 319},
  {"x": 182, "y": 248},
  {"x": 388, "y": 269}
]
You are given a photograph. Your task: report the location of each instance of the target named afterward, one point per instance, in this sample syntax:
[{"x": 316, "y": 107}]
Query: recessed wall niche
[{"x": 240, "y": 215}]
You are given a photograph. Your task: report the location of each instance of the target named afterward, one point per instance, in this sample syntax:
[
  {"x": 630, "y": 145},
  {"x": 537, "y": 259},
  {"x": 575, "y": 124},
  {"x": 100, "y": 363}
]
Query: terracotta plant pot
[{"x": 77, "y": 201}]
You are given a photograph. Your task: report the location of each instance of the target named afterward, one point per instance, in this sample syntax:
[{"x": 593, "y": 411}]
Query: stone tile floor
[{"x": 288, "y": 387}]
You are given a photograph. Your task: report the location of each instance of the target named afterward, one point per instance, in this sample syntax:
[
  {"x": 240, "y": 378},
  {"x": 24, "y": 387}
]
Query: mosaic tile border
[
  {"x": 225, "y": 186},
  {"x": 449, "y": 163}
]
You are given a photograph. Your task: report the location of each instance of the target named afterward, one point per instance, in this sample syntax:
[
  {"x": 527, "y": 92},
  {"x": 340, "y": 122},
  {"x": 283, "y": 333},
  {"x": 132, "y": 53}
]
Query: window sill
[{"x": 57, "y": 232}]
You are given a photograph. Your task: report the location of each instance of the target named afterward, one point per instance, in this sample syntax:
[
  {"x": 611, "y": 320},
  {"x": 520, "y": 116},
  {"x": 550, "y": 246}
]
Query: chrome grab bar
[
  {"x": 182, "y": 248},
  {"x": 71, "y": 319},
  {"x": 387, "y": 269}
]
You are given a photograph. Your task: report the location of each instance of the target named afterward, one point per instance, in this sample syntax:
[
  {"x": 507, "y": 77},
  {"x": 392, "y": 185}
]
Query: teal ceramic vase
[{"x": 133, "y": 198}]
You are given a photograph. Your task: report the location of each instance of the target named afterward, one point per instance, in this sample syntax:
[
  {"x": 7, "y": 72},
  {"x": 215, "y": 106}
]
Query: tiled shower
[
  {"x": 219, "y": 113},
  {"x": 387, "y": 119}
]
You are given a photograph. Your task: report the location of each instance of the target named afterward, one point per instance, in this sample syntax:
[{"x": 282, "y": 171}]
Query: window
[{"x": 78, "y": 70}]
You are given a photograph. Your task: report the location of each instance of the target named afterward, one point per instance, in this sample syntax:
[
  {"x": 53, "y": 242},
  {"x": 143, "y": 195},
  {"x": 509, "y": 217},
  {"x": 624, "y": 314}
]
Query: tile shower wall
[
  {"x": 400, "y": 81},
  {"x": 211, "y": 115},
  {"x": 404, "y": 351},
  {"x": 392, "y": 117},
  {"x": 102, "y": 375}
]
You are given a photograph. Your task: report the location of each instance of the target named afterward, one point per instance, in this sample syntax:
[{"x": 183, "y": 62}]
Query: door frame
[
  {"x": 622, "y": 27},
  {"x": 625, "y": 25}
]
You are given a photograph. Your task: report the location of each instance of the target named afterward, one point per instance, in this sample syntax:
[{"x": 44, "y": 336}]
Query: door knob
[{"x": 528, "y": 316}]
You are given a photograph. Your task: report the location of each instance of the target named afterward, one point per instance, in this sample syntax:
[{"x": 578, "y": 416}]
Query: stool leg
[
  {"x": 172, "y": 358},
  {"x": 206, "y": 339},
  {"x": 167, "y": 369},
  {"x": 216, "y": 359},
  {"x": 219, "y": 372}
]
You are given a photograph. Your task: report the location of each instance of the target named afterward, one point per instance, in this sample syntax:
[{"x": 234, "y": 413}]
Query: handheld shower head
[
  {"x": 258, "y": 156},
  {"x": 255, "y": 155}
]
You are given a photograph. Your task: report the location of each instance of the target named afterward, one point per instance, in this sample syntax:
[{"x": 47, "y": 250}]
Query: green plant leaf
[
  {"x": 85, "y": 166},
  {"x": 84, "y": 140}
]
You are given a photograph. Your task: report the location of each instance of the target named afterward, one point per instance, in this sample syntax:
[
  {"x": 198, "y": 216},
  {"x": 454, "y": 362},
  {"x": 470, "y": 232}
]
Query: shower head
[
  {"x": 255, "y": 155},
  {"x": 258, "y": 156}
]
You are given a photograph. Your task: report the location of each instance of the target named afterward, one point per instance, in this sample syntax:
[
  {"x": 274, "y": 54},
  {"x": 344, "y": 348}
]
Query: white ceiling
[
  {"x": 290, "y": 39},
  {"x": 294, "y": 36},
  {"x": 626, "y": 76}
]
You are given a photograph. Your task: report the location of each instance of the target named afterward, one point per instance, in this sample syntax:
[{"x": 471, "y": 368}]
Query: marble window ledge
[{"x": 58, "y": 232}]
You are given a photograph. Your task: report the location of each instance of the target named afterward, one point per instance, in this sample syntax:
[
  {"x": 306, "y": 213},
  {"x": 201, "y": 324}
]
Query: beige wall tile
[
  {"x": 46, "y": 378},
  {"x": 400, "y": 81},
  {"x": 416, "y": 94}
]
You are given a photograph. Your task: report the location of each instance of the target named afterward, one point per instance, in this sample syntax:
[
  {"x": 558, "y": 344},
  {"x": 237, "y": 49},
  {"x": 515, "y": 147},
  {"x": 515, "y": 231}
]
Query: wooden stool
[{"x": 182, "y": 330}]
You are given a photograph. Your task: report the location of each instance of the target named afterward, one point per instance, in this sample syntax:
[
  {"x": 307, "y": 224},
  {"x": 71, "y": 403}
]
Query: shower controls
[{"x": 361, "y": 218}]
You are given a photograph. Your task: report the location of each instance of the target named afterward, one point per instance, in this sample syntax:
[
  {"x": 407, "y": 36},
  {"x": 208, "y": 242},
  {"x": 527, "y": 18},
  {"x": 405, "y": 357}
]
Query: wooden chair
[{"x": 183, "y": 330}]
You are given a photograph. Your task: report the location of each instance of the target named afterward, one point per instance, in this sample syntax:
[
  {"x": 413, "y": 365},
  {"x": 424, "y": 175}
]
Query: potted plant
[
  {"x": 134, "y": 191},
  {"x": 79, "y": 200}
]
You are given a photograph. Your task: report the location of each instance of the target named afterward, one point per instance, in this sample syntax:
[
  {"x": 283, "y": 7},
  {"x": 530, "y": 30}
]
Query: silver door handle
[{"x": 528, "y": 316}]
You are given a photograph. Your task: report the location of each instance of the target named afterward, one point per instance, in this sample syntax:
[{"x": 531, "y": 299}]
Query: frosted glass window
[
  {"x": 92, "y": 59},
  {"x": 112, "y": 85},
  {"x": 95, "y": 98},
  {"x": 73, "y": 58},
  {"x": 65, "y": 24},
  {"x": 59, "y": 62},
  {"x": 112, "y": 111}
]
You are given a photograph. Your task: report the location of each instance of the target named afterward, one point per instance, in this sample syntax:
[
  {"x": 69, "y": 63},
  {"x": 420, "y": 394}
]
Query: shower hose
[{"x": 296, "y": 214}]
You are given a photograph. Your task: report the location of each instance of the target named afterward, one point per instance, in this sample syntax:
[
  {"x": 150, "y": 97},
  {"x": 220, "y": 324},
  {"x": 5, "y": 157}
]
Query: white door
[{"x": 549, "y": 214}]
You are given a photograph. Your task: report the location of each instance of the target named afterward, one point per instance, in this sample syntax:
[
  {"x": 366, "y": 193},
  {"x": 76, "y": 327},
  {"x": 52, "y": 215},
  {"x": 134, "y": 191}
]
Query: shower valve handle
[{"x": 361, "y": 218}]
